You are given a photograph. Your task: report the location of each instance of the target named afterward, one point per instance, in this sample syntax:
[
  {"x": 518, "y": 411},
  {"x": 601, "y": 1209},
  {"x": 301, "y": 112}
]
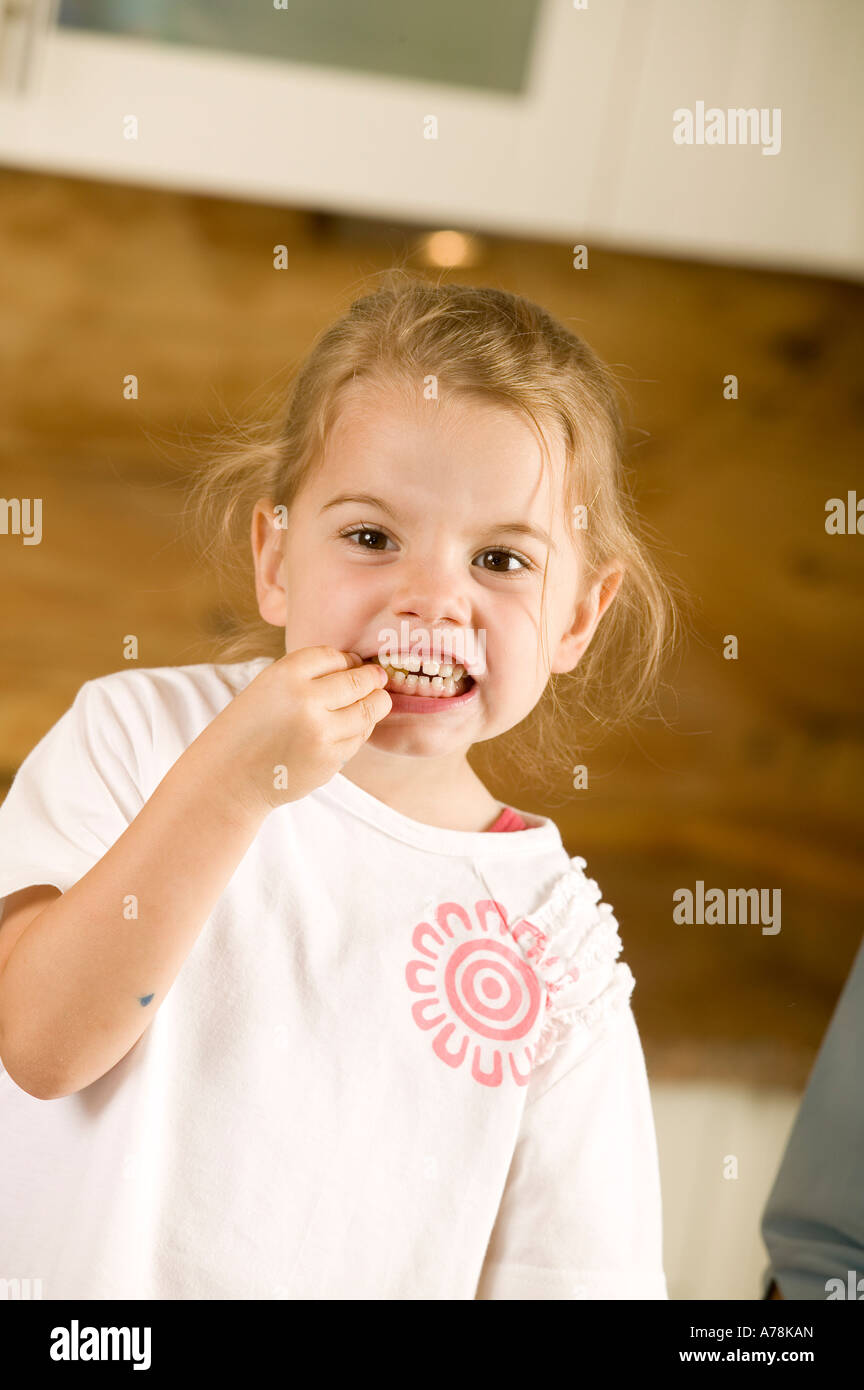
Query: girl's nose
[{"x": 433, "y": 592}]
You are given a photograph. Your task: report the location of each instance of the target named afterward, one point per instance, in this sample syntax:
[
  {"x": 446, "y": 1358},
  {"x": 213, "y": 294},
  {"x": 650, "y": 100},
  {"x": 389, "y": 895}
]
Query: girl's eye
[
  {"x": 508, "y": 555},
  {"x": 367, "y": 533},
  {"x": 364, "y": 531}
]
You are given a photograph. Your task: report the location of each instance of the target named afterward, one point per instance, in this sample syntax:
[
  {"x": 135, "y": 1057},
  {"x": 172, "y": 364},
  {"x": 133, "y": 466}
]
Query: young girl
[{"x": 290, "y": 1005}]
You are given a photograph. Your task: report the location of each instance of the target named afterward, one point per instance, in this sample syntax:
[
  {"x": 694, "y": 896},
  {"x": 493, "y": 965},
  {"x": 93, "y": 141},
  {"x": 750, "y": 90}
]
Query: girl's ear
[
  {"x": 575, "y": 640},
  {"x": 267, "y": 554}
]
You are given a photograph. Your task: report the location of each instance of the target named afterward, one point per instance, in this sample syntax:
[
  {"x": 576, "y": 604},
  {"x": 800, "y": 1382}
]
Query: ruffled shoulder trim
[{"x": 572, "y": 943}]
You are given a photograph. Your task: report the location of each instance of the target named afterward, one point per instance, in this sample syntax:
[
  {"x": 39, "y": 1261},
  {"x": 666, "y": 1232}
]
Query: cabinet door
[{"x": 542, "y": 118}]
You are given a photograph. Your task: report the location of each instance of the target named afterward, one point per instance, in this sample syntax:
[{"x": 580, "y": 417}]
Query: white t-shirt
[{"x": 399, "y": 1062}]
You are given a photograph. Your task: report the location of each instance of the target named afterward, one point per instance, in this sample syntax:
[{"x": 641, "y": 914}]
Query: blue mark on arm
[{"x": 145, "y": 999}]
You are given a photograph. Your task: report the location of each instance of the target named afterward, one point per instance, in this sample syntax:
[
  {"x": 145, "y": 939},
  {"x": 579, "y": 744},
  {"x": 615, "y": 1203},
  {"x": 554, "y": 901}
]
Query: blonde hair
[{"x": 473, "y": 339}]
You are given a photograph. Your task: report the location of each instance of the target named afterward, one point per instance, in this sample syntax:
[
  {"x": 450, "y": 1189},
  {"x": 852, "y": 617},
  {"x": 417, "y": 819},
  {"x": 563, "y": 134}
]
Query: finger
[
  {"x": 342, "y": 689},
  {"x": 311, "y": 662},
  {"x": 353, "y": 722}
]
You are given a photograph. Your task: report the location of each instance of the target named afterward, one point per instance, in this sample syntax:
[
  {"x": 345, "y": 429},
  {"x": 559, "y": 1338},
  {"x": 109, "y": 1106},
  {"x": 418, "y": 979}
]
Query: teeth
[
  {"x": 441, "y": 680},
  {"x": 414, "y": 665}
]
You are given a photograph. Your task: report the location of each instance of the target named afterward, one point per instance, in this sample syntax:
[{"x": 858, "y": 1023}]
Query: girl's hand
[{"x": 296, "y": 724}]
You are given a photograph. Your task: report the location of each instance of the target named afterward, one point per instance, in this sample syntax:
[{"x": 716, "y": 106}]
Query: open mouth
[{"x": 429, "y": 679}]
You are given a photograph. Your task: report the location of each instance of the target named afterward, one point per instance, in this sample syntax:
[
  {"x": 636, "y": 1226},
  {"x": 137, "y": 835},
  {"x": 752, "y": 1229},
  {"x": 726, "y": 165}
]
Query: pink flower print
[{"x": 481, "y": 989}]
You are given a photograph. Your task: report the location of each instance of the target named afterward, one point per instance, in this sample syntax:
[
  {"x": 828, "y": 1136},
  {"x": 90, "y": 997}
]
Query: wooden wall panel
[{"x": 757, "y": 782}]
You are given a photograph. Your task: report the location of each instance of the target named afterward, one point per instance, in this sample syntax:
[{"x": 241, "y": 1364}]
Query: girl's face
[{"x": 434, "y": 517}]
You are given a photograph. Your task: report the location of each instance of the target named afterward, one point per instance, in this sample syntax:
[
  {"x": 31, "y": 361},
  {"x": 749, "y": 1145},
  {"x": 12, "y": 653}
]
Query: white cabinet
[{"x": 583, "y": 151}]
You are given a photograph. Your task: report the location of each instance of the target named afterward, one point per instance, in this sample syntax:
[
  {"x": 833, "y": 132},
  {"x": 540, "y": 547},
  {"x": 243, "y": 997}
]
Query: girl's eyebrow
[
  {"x": 359, "y": 497},
  {"x": 526, "y": 528},
  {"x": 522, "y": 528}
]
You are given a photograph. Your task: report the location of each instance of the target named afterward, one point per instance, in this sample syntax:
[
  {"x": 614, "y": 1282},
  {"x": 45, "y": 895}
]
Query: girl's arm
[
  {"x": 20, "y": 909},
  {"x": 72, "y": 990},
  {"x": 82, "y": 980}
]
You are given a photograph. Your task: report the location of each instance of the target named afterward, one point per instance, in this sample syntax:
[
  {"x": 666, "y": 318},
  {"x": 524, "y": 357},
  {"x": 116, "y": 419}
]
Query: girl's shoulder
[
  {"x": 572, "y": 942},
  {"x": 144, "y": 717},
  {"x": 181, "y": 694},
  {"x": 211, "y": 680}
]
